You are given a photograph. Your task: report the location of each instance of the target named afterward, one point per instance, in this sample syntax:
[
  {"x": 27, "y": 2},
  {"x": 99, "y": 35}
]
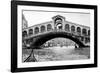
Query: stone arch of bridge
[{"x": 41, "y": 39}]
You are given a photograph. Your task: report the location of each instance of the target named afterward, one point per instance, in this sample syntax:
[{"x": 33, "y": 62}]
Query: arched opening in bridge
[
  {"x": 36, "y": 30},
  {"x": 24, "y": 33},
  {"x": 30, "y": 31},
  {"x": 58, "y": 23},
  {"x": 79, "y": 30},
  {"x": 72, "y": 28},
  {"x": 59, "y": 26},
  {"x": 58, "y": 20},
  {"x": 49, "y": 27},
  {"x": 84, "y": 31},
  {"x": 42, "y": 28},
  {"x": 89, "y": 32},
  {"x": 67, "y": 27}
]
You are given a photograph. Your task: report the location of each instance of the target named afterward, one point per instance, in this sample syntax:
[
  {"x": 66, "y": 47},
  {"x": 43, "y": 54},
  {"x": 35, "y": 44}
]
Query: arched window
[
  {"x": 49, "y": 27},
  {"x": 67, "y": 27},
  {"x": 84, "y": 31},
  {"x": 89, "y": 32},
  {"x": 58, "y": 20},
  {"x": 30, "y": 31},
  {"x": 72, "y": 28},
  {"x": 24, "y": 34},
  {"x": 42, "y": 28},
  {"x": 36, "y": 30},
  {"x": 79, "y": 30}
]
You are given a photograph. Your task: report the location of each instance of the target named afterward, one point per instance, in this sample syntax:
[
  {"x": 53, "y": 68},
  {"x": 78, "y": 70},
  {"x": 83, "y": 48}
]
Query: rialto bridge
[{"x": 38, "y": 34}]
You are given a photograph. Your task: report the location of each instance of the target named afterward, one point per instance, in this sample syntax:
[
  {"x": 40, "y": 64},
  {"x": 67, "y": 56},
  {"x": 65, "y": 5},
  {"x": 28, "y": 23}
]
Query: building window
[
  {"x": 30, "y": 31},
  {"x": 72, "y": 28},
  {"x": 42, "y": 28},
  {"x": 36, "y": 30},
  {"x": 67, "y": 27},
  {"x": 89, "y": 32},
  {"x": 79, "y": 30},
  {"x": 24, "y": 34},
  {"x": 84, "y": 31},
  {"x": 49, "y": 27}
]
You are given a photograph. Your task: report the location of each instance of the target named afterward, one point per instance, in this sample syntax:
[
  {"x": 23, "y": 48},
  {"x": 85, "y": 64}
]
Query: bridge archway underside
[{"x": 37, "y": 41}]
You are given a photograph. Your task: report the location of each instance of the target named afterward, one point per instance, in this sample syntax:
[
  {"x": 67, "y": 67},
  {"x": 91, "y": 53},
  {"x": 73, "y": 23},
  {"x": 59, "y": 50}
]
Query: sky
[{"x": 37, "y": 17}]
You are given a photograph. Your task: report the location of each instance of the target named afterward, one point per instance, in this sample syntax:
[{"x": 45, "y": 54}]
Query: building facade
[{"x": 24, "y": 22}]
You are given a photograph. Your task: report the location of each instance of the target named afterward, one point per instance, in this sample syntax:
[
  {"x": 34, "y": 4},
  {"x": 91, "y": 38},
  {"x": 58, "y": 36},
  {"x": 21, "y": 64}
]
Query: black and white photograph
[
  {"x": 52, "y": 35},
  {"x": 55, "y": 36}
]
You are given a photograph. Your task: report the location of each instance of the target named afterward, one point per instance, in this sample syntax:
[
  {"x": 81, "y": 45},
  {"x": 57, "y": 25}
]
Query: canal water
[
  {"x": 57, "y": 53},
  {"x": 61, "y": 53}
]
